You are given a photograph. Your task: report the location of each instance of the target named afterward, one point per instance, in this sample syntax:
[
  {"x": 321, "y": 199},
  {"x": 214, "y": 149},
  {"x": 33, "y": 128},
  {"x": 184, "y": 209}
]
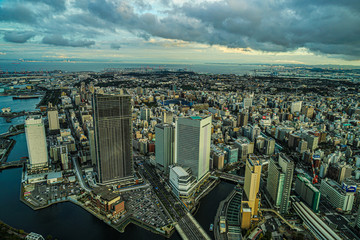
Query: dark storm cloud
[
  {"x": 17, "y": 13},
  {"x": 58, "y": 40},
  {"x": 115, "y": 46},
  {"x": 323, "y": 26},
  {"x": 18, "y": 37}
]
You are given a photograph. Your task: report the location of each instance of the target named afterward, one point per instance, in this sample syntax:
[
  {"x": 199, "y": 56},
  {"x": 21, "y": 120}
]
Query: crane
[{"x": 315, "y": 179}]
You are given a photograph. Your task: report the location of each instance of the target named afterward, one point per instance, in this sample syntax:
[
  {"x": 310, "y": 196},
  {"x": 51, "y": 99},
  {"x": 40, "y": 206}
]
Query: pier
[
  {"x": 11, "y": 115},
  {"x": 13, "y": 164}
]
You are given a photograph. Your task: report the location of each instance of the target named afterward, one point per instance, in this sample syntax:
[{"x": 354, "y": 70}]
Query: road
[{"x": 79, "y": 174}]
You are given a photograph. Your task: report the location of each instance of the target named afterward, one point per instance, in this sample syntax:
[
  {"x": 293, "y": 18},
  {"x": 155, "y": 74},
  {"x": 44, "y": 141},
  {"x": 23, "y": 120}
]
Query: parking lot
[
  {"x": 45, "y": 193},
  {"x": 144, "y": 205}
]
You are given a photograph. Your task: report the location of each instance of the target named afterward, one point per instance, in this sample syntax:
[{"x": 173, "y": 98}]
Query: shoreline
[{"x": 125, "y": 222}]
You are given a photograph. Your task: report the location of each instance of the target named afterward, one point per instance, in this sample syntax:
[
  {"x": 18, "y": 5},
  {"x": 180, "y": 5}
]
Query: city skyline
[{"x": 223, "y": 31}]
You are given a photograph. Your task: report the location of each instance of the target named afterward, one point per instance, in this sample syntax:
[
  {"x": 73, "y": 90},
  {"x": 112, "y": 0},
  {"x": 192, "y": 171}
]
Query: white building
[
  {"x": 338, "y": 197},
  {"x": 181, "y": 182},
  {"x": 36, "y": 141},
  {"x": 247, "y": 102},
  {"x": 296, "y": 106},
  {"x": 193, "y": 137}
]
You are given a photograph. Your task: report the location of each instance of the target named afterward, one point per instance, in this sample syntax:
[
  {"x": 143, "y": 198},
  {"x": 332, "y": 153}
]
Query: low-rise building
[{"x": 182, "y": 183}]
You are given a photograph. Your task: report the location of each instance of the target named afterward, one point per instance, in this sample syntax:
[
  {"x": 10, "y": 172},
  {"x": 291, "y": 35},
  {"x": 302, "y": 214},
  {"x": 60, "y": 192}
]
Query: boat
[
  {"x": 25, "y": 97},
  {"x": 211, "y": 227}
]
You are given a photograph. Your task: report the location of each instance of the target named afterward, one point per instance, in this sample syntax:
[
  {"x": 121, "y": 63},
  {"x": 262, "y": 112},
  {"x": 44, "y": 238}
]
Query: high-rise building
[
  {"x": 279, "y": 181},
  {"x": 145, "y": 114},
  {"x": 53, "y": 118},
  {"x": 269, "y": 146},
  {"x": 231, "y": 154},
  {"x": 251, "y": 199},
  {"x": 36, "y": 141},
  {"x": 193, "y": 138},
  {"x": 113, "y": 143},
  {"x": 164, "y": 146},
  {"x": 91, "y": 135},
  {"x": 242, "y": 119},
  {"x": 307, "y": 192},
  {"x": 296, "y": 106},
  {"x": 302, "y": 147},
  {"x": 312, "y": 141},
  {"x": 167, "y": 117},
  {"x": 247, "y": 102}
]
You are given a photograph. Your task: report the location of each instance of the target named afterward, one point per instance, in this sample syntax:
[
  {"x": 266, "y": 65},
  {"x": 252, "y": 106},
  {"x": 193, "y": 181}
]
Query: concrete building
[
  {"x": 36, "y": 141},
  {"x": 308, "y": 193},
  {"x": 250, "y": 198},
  {"x": 145, "y": 114},
  {"x": 164, "y": 145},
  {"x": 337, "y": 196},
  {"x": 167, "y": 117},
  {"x": 113, "y": 143},
  {"x": 231, "y": 154},
  {"x": 269, "y": 146},
  {"x": 242, "y": 119},
  {"x": 279, "y": 181},
  {"x": 302, "y": 147},
  {"x": 182, "y": 183},
  {"x": 53, "y": 118},
  {"x": 247, "y": 102},
  {"x": 193, "y": 137},
  {"x": 244, "y": 146},
  {"x": 91, "y": 136},
  {"x": 312, "y": 141},
  {"x": 296, "y": 107}
]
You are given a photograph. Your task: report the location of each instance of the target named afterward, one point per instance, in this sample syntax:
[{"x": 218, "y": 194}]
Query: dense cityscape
[{"x": 145, "y": 146}]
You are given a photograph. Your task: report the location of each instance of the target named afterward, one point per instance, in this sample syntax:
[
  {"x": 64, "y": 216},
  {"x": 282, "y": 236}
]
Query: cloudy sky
[{"x": 233, "y": 31}]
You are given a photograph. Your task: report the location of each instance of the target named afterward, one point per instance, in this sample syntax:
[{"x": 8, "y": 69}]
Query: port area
[
  {"x": 6, "y": 146},
  {"x": 138, "y": 205}
]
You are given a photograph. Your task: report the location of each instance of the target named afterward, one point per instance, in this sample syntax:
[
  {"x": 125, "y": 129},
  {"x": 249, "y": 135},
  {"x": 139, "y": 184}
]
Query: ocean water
[{"x": 229, "y": 68}]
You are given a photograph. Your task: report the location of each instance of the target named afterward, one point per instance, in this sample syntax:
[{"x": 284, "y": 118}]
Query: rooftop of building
[
  {"x": 105, "y": 193},
  {"x": 180, "y": 171},
  {"x": 254, "y": 160}
]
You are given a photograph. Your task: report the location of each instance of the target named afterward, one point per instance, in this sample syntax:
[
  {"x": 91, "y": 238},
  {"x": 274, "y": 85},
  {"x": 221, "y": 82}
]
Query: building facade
[
  {"x": 53, "y": 118},
  {"x": 113, "y": 142},
  {"x": 164, "y": 145},
  {"x": 193, "y": 138},
  {"x": 338, "y": 197},
  {"x": 36, "y": 141},
  {"x": 280, "y": 176},
  {"x": 307, "y": 192}
]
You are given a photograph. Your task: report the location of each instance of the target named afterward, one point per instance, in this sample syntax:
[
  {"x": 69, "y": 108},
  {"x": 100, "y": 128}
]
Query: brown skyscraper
[
  {"x": 242, "y": 119},
  {"x": 113, "y": 143}
]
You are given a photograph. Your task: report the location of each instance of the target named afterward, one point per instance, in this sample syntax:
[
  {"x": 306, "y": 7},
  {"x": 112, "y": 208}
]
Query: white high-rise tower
[
  {"x": 36, "y": 141},
  {"x": 193, "y": 137}
]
